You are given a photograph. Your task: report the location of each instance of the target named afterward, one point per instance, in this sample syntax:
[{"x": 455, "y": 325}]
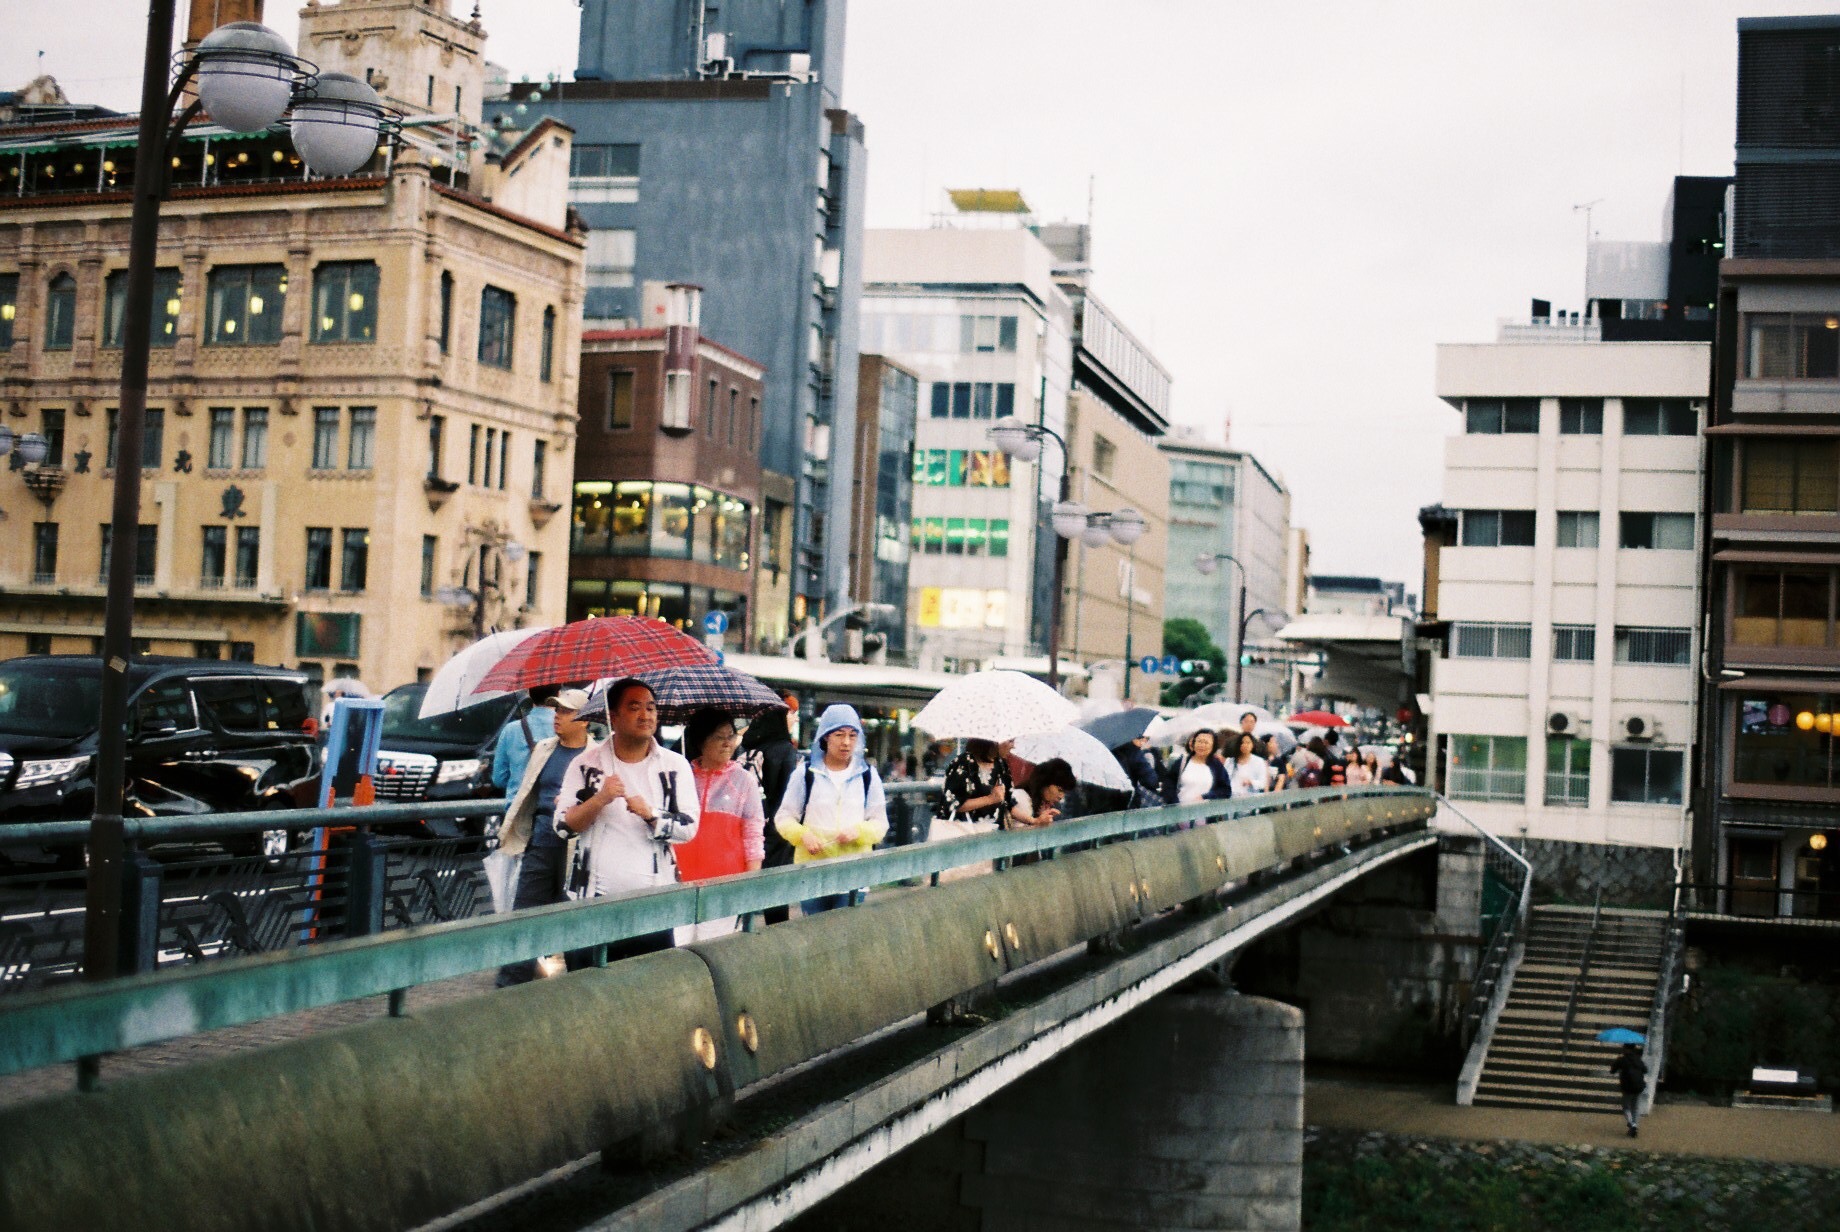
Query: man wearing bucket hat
[
  {"x": 526, "y": 834},
  {"x": 836, "y": 807}
]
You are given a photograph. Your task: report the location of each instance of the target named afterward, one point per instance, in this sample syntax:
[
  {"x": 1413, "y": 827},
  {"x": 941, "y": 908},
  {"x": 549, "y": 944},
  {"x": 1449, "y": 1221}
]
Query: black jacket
[
  {"x": 774, "y": 759},
  {"x": 1172, "y": 779}
]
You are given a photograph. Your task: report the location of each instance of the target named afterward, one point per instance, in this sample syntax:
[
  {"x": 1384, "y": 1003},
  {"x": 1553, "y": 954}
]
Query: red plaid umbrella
[{"x": 592, "y": 649}]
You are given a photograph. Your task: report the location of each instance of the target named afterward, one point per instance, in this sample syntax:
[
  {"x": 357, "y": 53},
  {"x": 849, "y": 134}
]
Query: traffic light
[{"x": 1245, "y": 658}]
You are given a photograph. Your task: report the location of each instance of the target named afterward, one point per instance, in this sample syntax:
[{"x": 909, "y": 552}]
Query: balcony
[
  {"x": 1549, "y": 329},
  {"x": 1469, "y": 783}
]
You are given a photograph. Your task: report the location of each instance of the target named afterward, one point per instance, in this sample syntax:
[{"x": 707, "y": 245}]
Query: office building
[
  {"x": 887, "y": 410},
  {"x": 1224, "y": 501},
  {"x": 711, "y": 149}
]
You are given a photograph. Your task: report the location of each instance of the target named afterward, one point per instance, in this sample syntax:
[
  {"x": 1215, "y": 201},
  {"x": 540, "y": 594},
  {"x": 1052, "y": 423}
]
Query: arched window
[{"x": 60, "y": 313}]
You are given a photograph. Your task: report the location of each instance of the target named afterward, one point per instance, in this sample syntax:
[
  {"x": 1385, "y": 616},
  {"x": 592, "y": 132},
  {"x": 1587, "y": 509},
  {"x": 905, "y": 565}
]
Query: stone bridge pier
[{"x": 1186, "y": 1114}]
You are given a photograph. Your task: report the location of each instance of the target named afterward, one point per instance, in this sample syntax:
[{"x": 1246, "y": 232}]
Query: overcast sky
[{"x": 1293, "y": 203}]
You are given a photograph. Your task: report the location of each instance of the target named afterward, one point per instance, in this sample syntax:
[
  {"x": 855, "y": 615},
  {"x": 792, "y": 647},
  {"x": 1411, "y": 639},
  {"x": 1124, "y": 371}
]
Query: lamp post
[
  {"x": 247, "y": 79},
  {"x": 1206, "y": 563},
  {"x": 1283, "y": 617},
  {"x": 1123, "y": 527},
  {"x": 1023, "y": 441}
]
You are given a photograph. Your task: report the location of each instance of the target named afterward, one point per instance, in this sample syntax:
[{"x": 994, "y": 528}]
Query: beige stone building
[
  {"x": 1112, "y": 597},
  {"x": 362, "y": 399}
]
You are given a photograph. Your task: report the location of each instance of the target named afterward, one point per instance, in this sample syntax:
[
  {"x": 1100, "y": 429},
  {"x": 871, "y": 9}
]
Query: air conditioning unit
[
  {"x": 1641, "y": 727},
  {"x": 1567, "y": 723}
]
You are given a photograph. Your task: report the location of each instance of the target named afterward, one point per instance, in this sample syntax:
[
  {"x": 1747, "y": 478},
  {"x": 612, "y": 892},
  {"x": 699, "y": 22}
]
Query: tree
[{"x": 1187, "y": 638}]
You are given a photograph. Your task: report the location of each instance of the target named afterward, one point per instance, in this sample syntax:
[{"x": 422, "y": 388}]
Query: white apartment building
[
  {"x": 1563, "y": 706},
  {"x": 976, "y": 314}
]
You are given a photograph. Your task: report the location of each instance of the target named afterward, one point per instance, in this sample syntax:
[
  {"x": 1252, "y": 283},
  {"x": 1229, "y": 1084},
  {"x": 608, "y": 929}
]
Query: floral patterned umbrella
[
  {"x": 995, "y": 705},
  {"x": 593, "y": 649}
]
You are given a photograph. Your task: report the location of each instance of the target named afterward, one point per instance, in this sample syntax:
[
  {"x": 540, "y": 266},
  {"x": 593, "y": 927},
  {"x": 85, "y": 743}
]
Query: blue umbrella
[
  {"x": 1112, "y": 730},
  {"x": 1621, "y": 1035}
]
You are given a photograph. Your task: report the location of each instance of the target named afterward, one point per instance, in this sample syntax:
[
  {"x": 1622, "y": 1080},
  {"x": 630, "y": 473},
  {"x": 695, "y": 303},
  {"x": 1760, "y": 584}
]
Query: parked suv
[
  {"x": 446, "y": 757},
  {"x": 204, "y": 736}
]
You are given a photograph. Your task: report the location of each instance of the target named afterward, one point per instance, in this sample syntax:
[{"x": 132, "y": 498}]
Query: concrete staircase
[{"x": 1530, "y": 1064}]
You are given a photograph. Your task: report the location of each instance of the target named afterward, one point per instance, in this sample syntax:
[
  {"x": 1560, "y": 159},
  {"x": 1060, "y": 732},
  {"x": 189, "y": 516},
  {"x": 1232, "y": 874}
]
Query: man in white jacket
[{"x": 629, "y": 799}]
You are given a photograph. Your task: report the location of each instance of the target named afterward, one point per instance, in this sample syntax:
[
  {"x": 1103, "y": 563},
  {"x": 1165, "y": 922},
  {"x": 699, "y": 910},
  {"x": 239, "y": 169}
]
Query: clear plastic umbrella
[
  {"x": 452, "y": 686},
  {"x": 995, "y": 705},
  {"x": 1090, "y": 761}
]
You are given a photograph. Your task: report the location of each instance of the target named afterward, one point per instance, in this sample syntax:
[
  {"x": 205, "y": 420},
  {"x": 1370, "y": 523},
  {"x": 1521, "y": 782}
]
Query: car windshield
[
  {"x": 470, "y": 726},
  {"x": 49, "y": 699}
]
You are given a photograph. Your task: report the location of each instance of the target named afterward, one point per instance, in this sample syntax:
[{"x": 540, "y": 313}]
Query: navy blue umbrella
[
  {"x": 1112, "y": 730},
  {"x": 682, "y": 691}
]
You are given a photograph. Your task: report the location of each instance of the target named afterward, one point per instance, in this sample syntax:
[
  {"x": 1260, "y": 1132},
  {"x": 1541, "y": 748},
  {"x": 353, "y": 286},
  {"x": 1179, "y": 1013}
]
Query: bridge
[{"x": 741, "y": 1082}]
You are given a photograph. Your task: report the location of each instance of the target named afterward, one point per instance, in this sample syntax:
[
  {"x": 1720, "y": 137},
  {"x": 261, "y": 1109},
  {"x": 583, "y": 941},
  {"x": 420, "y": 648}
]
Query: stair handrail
[
  {"x": 1500, "y": 957},
  {"x": 1584, "y": 970},
  {"x": 1673, "y": 941}
]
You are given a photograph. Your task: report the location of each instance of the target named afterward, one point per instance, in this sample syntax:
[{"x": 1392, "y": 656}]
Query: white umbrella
[
  {"x": 346, "y": 686},
  {"x": 1090, "y": 761},
  {"x": 1215, "y": 716},
  {"x": 995, "y": 705},
  {"x": 452, "y": 686},
  {"x": 1278, "y": 731}
]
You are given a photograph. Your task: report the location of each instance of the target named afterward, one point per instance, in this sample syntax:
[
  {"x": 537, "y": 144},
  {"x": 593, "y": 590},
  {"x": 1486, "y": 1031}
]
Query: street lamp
[
  {"x": 1283, "y": 618},
  {"x": 1205, "y": 564},
  {"x": 247, "y": 79},
  {"x": 1124, "y": 527},
  {"x": 1020, "y": 440}
]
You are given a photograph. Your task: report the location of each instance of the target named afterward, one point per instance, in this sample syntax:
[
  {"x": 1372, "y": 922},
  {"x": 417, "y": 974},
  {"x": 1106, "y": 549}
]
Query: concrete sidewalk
[{"x": 1810, "y": 1138}]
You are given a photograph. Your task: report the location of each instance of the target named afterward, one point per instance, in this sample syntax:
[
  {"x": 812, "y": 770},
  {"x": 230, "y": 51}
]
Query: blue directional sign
[
  {"x": 716, "y": 622},
  {"x": 1148, "y": 665},
  {"x": 1171, "y": 665}
]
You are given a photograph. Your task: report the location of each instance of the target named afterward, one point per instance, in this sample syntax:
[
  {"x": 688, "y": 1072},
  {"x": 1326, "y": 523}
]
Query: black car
[
  {"x": 204, "y": 736},
  {"x": 445, "y": 757}
]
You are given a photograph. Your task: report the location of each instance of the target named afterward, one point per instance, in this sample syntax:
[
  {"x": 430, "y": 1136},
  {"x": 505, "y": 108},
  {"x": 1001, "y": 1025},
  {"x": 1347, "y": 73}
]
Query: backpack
[{"x": 754, "y": 761}]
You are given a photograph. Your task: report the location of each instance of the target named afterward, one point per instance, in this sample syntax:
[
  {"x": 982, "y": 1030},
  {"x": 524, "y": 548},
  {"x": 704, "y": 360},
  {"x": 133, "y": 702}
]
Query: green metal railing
[{"x": 87, "y": 1020}]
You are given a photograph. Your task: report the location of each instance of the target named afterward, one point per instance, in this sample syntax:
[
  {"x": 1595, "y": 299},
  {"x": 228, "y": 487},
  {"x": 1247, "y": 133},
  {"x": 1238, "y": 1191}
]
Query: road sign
[
  {"x": 715, "y": 622},
  {"x": 1171, "y": 666},
  {"x": 1148, "y": 665}
]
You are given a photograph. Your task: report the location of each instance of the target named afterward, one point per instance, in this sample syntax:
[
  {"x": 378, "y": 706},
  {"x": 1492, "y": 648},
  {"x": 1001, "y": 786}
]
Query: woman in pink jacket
[{"x": 730, "y": 838}]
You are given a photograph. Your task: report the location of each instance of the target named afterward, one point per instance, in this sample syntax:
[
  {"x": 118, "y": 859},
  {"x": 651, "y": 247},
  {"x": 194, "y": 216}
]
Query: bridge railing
[{"x": 89, "y": 1019}]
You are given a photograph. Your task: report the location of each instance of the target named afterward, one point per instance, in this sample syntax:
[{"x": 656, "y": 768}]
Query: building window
[
  {"x": 1657, "y": 530},
  {"x": 497, "y": 326},
  {"x": 51, "y": 423},
  {"x": 146, "y": 554},
  {"x": 490, "y": 457},
  {"x": 60, "y": 313},
  {"x": 1491, "y": 641},
  {"x": 504, "y": 458},
  {"x": 1796, "y": 475},
  {"x": 1780, "y": 741},
  {"x": 1205, "y": 485},
  {"x": 221, "y": 454},
  {"x": 753, "y": 423},
  {"x": 153, "y": 437},
  {"x": 354, "y": 560},
  {"x": 345, "y": 302},
  {"x": 244, "y": 304},
  {"x": 325, "y": 438},
  {"x": 532, "y": 573},
  {"x": 428, "y": 553},
  {"x": 959, "y": 468},
  {"x": 1496, "y": 528},
  {"x": 38, "y": 643},
  {"x": 960, "y": 537},
  {"x": 1667, "y": 647},
  {"x": 709, "y": 409},
  {"x": 1577, "y": 529},
  {"x": 1792, "y": 346},
  {"x": 974, "y": 400},
  {"x": 1104, "y": 457},
  {"x": 539, "y": 461},
  {"x": 242, "y": 652},
  {"x": 603, "y": 162},
  {"x": 1581, "y": 416},
  {"x": 437, "y": 428},
  {"x": 1782, "y": 607},
  {"x": 619, "y": 400},
  {"x": 472, "y": 454},
  {"x": 168, "y": 299},
  {"x": 1640, "y": 775},
  {"x": 734, "y": 413},
  {"x": 319, "y": 558},
  {"x": 248, "y": 556},
  {"x": 361, "y": 448},
  {"x": 447, "y": 310},
  {"x": 207, "y": 650},
  {"x": 255, "y": 437},
  {"x": 1568, "y": 773},
  {"x": 1488, "y": 768},
  {"x": 213, "y": 558},
  {"x": 9, "y": 308},
  {"x": 547, "y": 361},
  {"x": 1574, "y": 643},
  {"x": 44, "y": 553},
  {"x": 1660, "y": 417},
  {"x": 1495, "y": 416},
  {"x": 611, "y": 258},
  {"x": 986, "y": 334}
]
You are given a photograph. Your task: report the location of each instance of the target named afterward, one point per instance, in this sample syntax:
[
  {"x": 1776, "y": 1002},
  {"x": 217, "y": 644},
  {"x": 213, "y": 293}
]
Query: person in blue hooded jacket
[{"x": 835, "y": 807}]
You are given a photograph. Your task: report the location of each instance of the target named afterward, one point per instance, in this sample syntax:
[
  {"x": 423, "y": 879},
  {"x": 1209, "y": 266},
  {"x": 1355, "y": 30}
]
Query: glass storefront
[
  {"x": 1786, "y": 740},
  {"x": 673, "y": 521},
  {"x": 672, "y": 602}
]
